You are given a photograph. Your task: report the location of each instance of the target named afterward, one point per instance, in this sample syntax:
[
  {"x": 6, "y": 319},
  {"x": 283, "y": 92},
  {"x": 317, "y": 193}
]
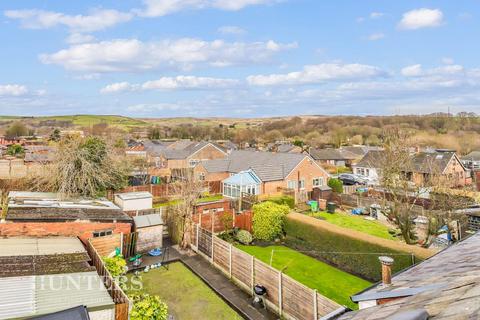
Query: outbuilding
[
  {"x": 149, "y": 230},
  {"x": 134, "y": 201}
]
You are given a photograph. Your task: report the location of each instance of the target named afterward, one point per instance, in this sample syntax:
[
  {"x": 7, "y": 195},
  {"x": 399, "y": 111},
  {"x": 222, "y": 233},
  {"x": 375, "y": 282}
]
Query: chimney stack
[{"x": 387, "y": 263}]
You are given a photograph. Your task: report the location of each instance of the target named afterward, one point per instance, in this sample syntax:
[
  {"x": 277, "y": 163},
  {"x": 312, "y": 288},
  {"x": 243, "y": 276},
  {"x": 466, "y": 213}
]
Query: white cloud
[
  {"x": 231, "y": 30},
  {"x": 318, "y": 73},
  {"x": 157, "y": 8},
  {"x": 448, "y": 60},
  {"x": 76, "y": 38},
  {"x": 416, "y": 70},
  {"x": 13, "y": 90},
  {"x": 130, "y": 55},
  {"x": 376, "y": 15},
  {"x": 98, "y": 19},
  {"x": 173, "y": 83},
  {"x": 421, "y": 18},
  {"x": 376, "y": 36}
]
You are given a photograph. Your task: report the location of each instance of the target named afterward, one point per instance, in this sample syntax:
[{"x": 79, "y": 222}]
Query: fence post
[
  {"x": 212, "y": 247},
  {"x": 280, "y": 303},
  {"x": 315, "y": 307},
  {"x": 252, "y": 275},
  {"x": 230, "y": 261},
  {"x": 196, "y": 240}
]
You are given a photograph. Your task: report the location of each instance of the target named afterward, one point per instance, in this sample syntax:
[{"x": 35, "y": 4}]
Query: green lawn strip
[
  {"x": 358, "y": 223},
  {"x": 176, "y": 201},
  {"x": 329, "y": 281},
  {"x": 186, "y": 295}
]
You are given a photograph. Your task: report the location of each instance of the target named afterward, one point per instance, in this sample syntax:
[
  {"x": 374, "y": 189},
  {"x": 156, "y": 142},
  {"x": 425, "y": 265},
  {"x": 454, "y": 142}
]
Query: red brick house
[{"x": 38, "y": 214}]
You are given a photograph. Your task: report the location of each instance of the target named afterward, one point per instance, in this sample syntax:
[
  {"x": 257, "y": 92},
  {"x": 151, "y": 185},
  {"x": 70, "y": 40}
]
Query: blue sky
[{"x": 238, "y": 58}]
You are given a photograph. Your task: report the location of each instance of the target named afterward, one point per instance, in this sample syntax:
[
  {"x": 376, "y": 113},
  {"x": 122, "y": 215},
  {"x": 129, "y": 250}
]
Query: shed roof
[
  {"x": 134, "y": 195},
  {"x": 19, "y": 246},
  {"x": 148, "y": 220},
  {"x": 25, "y": 213},
  {"x": 75, "y": 313},
  {"x": 39, "y": 295}
]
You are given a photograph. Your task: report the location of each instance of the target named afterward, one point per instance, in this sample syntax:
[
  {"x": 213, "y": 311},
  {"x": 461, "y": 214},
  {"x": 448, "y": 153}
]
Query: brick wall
[{"x": 83, "y": 230}]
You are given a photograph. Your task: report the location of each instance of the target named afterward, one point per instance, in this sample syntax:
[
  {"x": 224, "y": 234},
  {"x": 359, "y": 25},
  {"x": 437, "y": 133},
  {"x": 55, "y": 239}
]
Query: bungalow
[
  {"x": 472, "y": 160},
  {"x": 39, "y": 214},
  {"x": 334, "y": 157},
  {"x": 423, "y": 166},
  {"x": 267, "y": 173},
  {"x": 444, "y": 286},
  {"x": 44, "y": 277}
]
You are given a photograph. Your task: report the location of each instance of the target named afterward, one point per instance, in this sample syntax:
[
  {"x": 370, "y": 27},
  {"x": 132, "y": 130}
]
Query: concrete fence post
[
  {"x": 280, "y": 302},
  {"x": 230, "y": 261},
  {"x": 315, "y": 307},
  {"x": 213, "y": 239},
  {"x": 198, "y": 232},
  {"x": 252, "y": 275}
]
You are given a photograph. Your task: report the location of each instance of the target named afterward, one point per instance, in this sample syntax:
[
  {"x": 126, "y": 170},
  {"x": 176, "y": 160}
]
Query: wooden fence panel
[
  {"x": 221, "y": 254},
  {"x": 205, "y": 242},
  {"x": 244, "y": 220},
  {"x": 242, "y": 267},
  {"x": 269, "y": 278},
  {"x": 129, "y": 244},
  {"x": 325, "y": 306},
  {"x": 298, "y": 300},
  {"x": 106, "y": 244}
]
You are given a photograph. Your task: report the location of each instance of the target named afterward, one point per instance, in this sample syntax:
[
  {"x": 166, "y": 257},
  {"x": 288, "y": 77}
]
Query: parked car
[{"x": 348, "y": 179}]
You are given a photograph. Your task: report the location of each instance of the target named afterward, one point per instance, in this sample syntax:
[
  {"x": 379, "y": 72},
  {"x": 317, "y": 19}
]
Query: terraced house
[{"x": 263, "y": 173}]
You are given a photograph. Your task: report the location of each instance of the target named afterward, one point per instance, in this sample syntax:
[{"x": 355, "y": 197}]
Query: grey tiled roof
[
  {"x": 371, "y": 160},
  {"x": 453, "y": 276},
  {"x": 472, "y": 156},
  {"x": 331, "y": 154},
  {"x": 267, "y": 165}
]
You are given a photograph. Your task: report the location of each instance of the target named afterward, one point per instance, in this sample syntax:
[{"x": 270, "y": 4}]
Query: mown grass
[
  {"x": 186, "y": 295},
  {"x": 354, "y": 222},
  {"x": 331, "y": 282}
]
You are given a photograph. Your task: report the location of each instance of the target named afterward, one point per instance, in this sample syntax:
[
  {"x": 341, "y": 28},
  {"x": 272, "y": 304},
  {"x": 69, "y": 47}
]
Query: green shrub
[
  {"x": 336, "y": 185},
  {"x": 346, "y": 253},
  {"x": 148, "y": 307},
  {"x": 244, "y": 237},
  {"x": 268, "y": 220},
  {"x": 284, "y": 200},
  {"x": 115, "y": 265}
]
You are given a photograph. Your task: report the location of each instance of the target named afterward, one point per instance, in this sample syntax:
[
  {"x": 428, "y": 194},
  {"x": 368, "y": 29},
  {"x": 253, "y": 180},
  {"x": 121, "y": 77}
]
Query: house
[
  {"x": 46, "y": 214},
  {"x": 149, "y": 230},
  {"x": 44, "y": 276},
  {"x": 472, "y": 160},
  {"x": 271, "y": 172},
  {"x": 334, "y": 157},
  {"x": 134, "y": 201},
  {"x": 423, "y": 166},
  {"x": 445, "y": 286}
]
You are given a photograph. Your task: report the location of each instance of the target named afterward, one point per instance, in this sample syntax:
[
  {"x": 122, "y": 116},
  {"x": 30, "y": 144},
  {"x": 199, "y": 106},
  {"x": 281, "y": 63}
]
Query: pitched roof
[
  {"x": 244, "y": 177},
  {"x": 371, "y": 159},
  {"x": 268, "y": 166},
  {"x": 447, "y": 284},
  {"x": 428, "y": 162},
  {"x": 331, "y": 154},
  {"x": 472, "y": 156},
  {"x": 183, "y": 149}
]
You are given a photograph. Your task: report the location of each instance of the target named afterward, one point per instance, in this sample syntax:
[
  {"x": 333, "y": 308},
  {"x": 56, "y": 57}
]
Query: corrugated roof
[
  {"x": 17, "y": 246},
  {"x": 148, "y": 220},
  {"x": 39, "y": 295}
]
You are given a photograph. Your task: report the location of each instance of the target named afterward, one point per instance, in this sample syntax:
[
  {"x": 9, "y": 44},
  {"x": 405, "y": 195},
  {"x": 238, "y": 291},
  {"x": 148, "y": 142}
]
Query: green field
[
  {"x": 329, "y": 281},
  {"x": 187, "y": 296},
  {"x": 354, "y": 222},
  {"x": 84, "y": 120}
]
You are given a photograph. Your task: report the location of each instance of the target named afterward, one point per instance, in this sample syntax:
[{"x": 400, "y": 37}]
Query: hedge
[
  {"x": 283, "y": 200},
  {"x": 268, "y": 220},
  {"x": 328, "y": 246}
]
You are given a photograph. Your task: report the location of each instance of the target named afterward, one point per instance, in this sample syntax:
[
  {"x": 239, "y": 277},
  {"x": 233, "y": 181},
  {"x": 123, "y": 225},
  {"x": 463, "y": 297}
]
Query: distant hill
[{"x": 82, "y": 120}]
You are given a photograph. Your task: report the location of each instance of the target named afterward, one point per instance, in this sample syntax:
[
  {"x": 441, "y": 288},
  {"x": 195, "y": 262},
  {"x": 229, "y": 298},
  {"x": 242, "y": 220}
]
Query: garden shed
[
  {"x": 134, "y": 201},
  {"x": 149, "y": 230}
]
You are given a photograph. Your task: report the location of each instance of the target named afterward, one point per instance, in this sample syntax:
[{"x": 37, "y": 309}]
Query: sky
[{"x": 239, "y": 58}]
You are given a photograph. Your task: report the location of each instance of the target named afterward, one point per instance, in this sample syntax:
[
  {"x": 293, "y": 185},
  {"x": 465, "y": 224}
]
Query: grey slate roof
[
  {"x": 331, "y": 154},
  {"x": 472, "y": 156},
  {"x": 182, "y": 149},
  {"x": 372, "y": 159},
  {"x": 448, "y": 282},
  {"x": 267, "y": 165}
]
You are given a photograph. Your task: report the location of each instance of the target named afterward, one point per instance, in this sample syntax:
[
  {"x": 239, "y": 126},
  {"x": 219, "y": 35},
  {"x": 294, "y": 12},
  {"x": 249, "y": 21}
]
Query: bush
[
  {"x": 333, "y": 248},
  {"x": 244, "y": 237},
  {"x": 115, "y": 265},
  {"x": 268, "y": 220},
  {"x": 336, "y": 185},
  {"x": 148, "y": 307},
  {"x": 284, "y": 200}
]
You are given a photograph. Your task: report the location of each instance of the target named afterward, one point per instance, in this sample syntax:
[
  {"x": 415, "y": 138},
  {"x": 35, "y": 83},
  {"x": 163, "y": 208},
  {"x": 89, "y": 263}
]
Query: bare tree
[{"x": 188, "y": 190}]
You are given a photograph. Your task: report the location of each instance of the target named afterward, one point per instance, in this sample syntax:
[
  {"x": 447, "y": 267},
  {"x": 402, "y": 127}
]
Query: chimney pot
[{"x": 387, "y": 263}]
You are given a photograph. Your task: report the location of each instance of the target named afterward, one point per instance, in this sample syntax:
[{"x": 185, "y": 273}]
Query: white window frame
[
  {"x": 292, "y": 184},
  {"x": 318, "y": 181},
  {"x": 301, "y": 184}
]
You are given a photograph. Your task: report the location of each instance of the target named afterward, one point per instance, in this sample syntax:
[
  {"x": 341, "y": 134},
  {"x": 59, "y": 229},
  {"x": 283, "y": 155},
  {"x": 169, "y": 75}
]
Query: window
[
  {"x": 201, "y": 176},
  {"x": 206, "y": 211},
  {"x": 102, "y": 233},
  {"x": 301, "y": 184},
  {"x": 317, "y": 182},
  {"x": 193, "y": 162},
  {"x": 291, "y": 184}
]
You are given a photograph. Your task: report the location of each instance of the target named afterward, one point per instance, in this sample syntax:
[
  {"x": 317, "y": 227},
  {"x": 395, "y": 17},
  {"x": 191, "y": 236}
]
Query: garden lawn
[
  {"x": 186, "y": 295},
  {"x": 358, "y": 223},
  {"x": 329, "y": 281}
]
